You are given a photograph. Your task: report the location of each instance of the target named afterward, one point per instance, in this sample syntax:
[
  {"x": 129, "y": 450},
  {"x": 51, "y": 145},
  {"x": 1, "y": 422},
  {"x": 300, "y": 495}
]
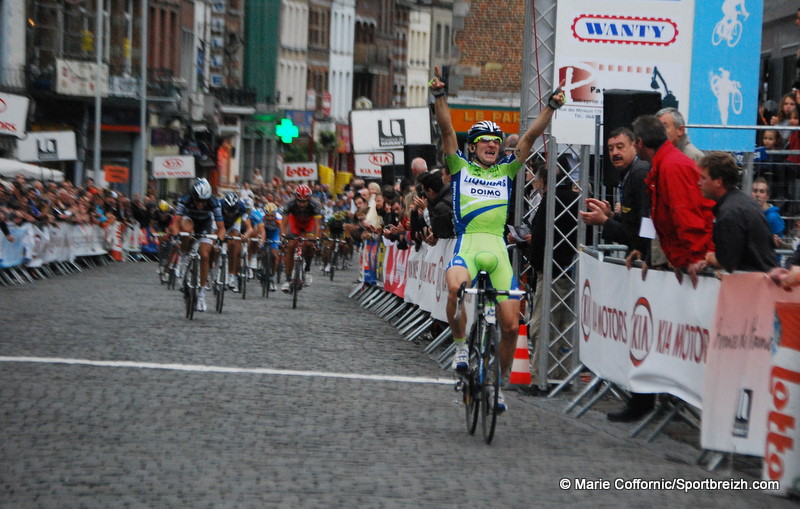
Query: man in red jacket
[{"x": 682, "y": 216}]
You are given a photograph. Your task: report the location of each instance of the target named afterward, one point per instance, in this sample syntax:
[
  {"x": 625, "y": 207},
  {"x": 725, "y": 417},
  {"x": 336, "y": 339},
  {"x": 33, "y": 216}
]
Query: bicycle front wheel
[
  {"x": 490, "y": 389},
  {"x": 334, "y": 260},
  {"x": 266, "y": 272},
  {"x": 242, "y": 279},
  {"x": 470, "y": 385},
  {"x": 191, "y": 281},
  {"x": 297, "y": 281},
  {"x": 221, "y": 282}
]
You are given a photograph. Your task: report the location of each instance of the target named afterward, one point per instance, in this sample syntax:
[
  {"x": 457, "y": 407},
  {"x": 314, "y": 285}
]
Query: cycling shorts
[
  {"x": 470, "y": 245},
  {"x": 205, "y": 227}
]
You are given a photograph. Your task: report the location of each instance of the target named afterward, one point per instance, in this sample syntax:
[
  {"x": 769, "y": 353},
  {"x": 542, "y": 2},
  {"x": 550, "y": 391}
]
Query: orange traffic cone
[{"x": 521, "y": 367}]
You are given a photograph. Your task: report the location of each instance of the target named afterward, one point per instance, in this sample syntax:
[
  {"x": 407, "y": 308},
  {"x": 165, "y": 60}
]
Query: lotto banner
[
  {"x": 737, "y": 395},
  {"x": 781, "y": 458},
  {"x": 619, "y": 44},
  {"x": 648, "y": 336}
]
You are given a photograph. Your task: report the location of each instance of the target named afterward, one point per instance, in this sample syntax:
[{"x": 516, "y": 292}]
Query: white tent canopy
[{"x": 10, "y": 168}]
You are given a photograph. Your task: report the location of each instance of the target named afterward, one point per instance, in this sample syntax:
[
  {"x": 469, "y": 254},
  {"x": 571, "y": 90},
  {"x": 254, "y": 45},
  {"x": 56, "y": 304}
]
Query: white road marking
[{"x": 199, "y": 368}]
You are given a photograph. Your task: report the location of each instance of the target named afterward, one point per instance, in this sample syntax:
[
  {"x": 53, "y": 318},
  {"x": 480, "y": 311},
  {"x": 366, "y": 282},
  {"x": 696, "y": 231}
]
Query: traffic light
[{"x": 286, "y": 130}]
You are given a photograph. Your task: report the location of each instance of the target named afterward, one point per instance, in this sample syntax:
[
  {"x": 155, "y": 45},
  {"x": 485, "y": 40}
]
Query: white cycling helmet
[{"x": 201, "y": 189}]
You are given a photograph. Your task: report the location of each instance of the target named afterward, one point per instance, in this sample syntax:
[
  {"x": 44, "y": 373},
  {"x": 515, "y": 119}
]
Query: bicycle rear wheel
[{"x": 490, "y": 389}]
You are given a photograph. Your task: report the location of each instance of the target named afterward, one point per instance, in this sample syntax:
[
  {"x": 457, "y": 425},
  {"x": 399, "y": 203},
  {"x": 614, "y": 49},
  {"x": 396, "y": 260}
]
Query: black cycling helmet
[{"x": 484, "y": 128}]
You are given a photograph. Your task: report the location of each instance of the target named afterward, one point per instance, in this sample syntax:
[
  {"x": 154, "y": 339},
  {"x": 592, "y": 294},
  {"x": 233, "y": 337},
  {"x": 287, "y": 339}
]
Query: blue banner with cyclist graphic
[{"x": 725, "y": 69}]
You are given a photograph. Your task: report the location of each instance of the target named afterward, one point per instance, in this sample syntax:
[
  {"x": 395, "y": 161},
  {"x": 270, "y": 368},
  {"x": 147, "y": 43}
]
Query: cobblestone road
[{"x": 154, "y": 415}]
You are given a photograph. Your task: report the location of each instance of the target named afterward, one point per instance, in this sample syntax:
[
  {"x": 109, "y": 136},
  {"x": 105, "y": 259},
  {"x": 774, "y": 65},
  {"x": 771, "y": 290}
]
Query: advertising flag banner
[
  {"x": 726, "y": 56},
  {"x": 737, "y": 396},
  {"x": 648, "y": 336}
]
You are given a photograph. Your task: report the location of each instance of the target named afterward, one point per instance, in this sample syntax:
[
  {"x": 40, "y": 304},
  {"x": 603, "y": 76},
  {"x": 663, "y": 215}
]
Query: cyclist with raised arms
[
  {"x": 237, "y": 224},
  {"x": 301, "y": 218},
  {"x": 199, "y": 212},
  {"x": 481, "y": 192}
]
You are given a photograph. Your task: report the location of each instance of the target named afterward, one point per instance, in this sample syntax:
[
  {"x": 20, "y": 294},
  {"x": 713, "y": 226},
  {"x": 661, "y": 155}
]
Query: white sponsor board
[
  {"x": 618, "y": 44},
  {"x": 173, "y": 167},
  {"x": 74, "y": 77},
  {"x": 380, "y": 130},
  {"x": 648, "y": 336},
  {"x": 48, "y": 146},
  {"x": 300, "y": 171},
  {"x": 13, "y": 114},
  {"x": 369, "y": 165}
]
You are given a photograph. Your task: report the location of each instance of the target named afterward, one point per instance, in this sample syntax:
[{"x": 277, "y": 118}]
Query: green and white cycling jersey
[{"x": 481, "y": 195}]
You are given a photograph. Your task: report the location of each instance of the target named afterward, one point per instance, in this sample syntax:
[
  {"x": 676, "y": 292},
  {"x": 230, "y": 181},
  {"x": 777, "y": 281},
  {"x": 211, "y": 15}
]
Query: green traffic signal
[{"x": 286, "y": 130}]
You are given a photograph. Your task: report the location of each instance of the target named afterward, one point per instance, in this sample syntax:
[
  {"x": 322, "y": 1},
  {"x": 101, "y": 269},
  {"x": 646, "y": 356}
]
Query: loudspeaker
[
  {"x": 620, "y": 109},
  {"x": 390, "y": 173},
  {"x": 425, "y": 151}
]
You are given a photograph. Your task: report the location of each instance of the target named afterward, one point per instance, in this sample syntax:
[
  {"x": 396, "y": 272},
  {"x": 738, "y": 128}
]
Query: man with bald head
[{"x": 418, "y": 166}]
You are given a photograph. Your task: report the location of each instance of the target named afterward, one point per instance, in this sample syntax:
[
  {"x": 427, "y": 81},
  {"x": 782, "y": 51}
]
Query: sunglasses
[{"x": 488, "y": 139}]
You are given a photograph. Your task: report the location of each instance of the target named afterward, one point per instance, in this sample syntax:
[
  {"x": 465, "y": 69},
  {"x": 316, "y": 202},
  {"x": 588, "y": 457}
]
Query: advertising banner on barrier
[
  {"x": 395, "y": 261},
  {"x": 426, "y": 285},
  {"x": 647, "y": 336},
  {"x": 737, "y": 391}
]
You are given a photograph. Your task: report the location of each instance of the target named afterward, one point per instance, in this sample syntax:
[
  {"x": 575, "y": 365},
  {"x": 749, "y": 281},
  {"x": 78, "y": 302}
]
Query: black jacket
[
  {"x": 623, "y": 228},
  {"x": 741, "y": 234},
  {"x": 441, "y": 214}
]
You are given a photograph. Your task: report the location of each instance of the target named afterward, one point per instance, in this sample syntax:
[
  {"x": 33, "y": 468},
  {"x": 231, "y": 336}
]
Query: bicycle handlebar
[{"x": 198, "y": 235}]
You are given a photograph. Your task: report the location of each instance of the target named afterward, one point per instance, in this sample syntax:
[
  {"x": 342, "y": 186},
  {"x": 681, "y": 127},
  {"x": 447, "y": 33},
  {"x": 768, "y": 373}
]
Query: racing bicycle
[
  {"x": 480, "y": 385},
  {"x": 191, "y": 276}
]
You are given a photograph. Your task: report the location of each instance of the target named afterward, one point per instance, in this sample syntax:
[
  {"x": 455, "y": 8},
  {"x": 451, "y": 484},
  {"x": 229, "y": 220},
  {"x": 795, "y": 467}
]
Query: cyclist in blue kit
[
  {"x": 199, "y": 212},
  {"x": 481, "y": 192}
]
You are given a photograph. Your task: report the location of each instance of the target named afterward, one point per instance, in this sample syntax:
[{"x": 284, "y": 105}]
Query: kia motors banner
[
  {"x": 619, "y": 44},
  {"x": 647, "y": 336},
  {"x": 173, "y": 167},
  {"x": 737, "y": 398},
  {"x": 300, "y": 171},
  {"x": 13, "y": 114},
  {"x": 370, "y": 165}
]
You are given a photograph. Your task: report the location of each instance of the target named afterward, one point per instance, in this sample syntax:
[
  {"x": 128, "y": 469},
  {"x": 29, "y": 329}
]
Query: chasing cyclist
[
  {"x": 199, "y": 212},
  {"x": 481, "y": 193},
  {"x": 237, "y": 224},
  {"x": 272, "y": 235},
  {"x": 301, "y": 217}
]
